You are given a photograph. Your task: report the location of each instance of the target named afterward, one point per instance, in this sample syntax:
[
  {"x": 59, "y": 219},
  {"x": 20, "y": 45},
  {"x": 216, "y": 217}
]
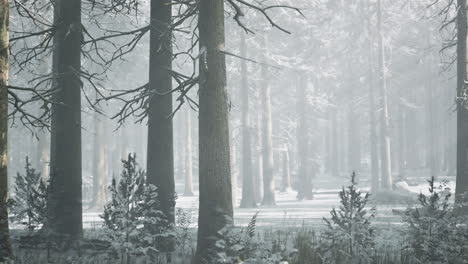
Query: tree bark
[
  {"x": 188, "y": 190},
  {"x": 248, "y": 192},
  {"x": 65, "y": 197},
  {"x": 386, "y": 163},
  {"x": 267, "y": 143},
  {"x": 462, "y": 106},
  {"x": 160, "y": 154},
  {"x": 5, "y": 245},
  {"x": 215, "y": 210}
]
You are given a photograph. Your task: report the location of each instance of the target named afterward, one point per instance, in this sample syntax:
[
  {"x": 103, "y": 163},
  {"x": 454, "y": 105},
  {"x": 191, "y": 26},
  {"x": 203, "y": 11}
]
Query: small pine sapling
[
  {"x": 134, "y": 224},
  {"x": 437, "y": 233},
  {"x": 349, "y": 236},
  {"x": 29, "y": 201}
]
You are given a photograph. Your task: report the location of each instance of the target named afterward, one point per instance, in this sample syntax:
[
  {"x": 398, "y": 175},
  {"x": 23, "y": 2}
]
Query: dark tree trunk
[
  {"x": 462, "y": 109},
  {"x": 65, "y": 202},
  {"x": 386, "y": 163},
  {"x": 5, "y": 246},
  {"x": 248, "y": 192},
  {"x": 215, "y": 211},
  {"x": 160, "y": 155},
  {"x": 267, "y": 144}
]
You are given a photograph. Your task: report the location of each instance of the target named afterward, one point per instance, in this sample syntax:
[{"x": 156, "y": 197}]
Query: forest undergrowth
[{"x": 435, "y": 231}]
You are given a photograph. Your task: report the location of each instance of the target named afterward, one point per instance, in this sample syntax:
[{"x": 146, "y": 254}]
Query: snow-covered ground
[{"x": 288, "y": 210}]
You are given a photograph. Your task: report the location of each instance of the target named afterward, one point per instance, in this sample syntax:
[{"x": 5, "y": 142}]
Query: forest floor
[{"x": 290, "y": 212}]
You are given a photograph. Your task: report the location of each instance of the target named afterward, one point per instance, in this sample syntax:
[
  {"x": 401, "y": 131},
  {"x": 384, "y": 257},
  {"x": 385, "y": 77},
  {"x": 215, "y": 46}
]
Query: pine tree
[
  {"x": 349, "y": 237},
  {"x": 437, "y": 234},
  {"x": 132, "y": 221},
  {"x": 29, "y": 202}
]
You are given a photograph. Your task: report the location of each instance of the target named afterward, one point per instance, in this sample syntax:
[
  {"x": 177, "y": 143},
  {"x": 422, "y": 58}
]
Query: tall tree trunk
[
  {"x": 234, "y": 171},
  {"x": 116, "y": 156},
  {"x": 215, "y": 211},
  {"x": 327, "y": 134},
  {"x": 124, "y": 146},
  {"x": 401, "y": 140},
  {"x": 374, "y": 154},
  {"x": 267, "y": 144},
  {"x": 354, "y": 139},
  {"x": 65, "y": 198},
  {"x": 99, "y": 162},
  {"x": 341, "y": 150},
  {"x": 386, "y": 162},
  {"x": 259, "y": 157},
  {"x": 5, "y": 246},
  {"x": 462, "y": 106},
  {"x": 335, "y": 160},
  {"x": 431, "y": 143},
  {"x": 286, "y": 171},
  {"x": 160, "y": 159},
  {"x": 248, "y": 192},
  {"x": 188, "y": 190},
  {"x": 450, "y": 146},
  {"x": 303, "y": 141},
  {"x": 179, "y": 148},
  {"x": 412, "y": 157}
]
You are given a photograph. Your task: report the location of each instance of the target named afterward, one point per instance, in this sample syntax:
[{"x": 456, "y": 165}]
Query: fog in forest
[{"x": 209, "y": 131}]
